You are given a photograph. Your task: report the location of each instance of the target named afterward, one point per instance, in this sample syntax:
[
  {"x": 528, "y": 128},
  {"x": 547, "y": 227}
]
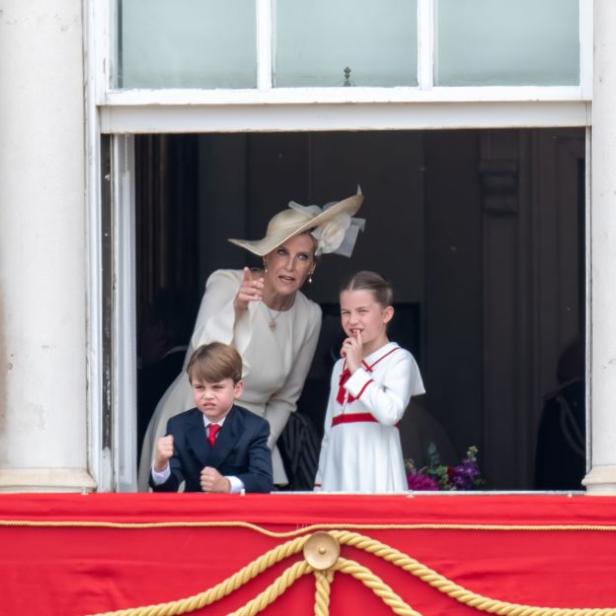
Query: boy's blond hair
[{"x": 214, "y": 362}]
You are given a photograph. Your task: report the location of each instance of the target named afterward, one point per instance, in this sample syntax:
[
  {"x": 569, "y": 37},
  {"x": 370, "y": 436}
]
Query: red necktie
[{"x": 212, "y": 432}]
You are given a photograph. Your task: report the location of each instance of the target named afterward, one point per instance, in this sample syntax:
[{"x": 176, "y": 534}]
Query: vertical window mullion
[
  {"x": 264, "y": 43},
  {"x": 122, "y": 290},
  {"x": 425, "y": 43},
  {"x": 586, "y": 47},
  {"x": 101, "y": 27}
]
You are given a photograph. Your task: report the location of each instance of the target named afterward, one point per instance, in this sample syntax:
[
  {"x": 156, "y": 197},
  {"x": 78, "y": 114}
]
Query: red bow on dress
[
  {"x": 344, "y": 377},
  {"x": 342, "y": 392}
]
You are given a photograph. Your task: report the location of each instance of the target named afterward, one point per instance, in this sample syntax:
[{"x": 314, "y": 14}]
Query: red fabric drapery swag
[{"x": 73, "y": 554}]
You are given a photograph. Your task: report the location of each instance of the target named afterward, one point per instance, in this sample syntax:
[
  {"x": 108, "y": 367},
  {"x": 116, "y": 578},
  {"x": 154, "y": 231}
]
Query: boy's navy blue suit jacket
[{"x": 241, "y": 450}]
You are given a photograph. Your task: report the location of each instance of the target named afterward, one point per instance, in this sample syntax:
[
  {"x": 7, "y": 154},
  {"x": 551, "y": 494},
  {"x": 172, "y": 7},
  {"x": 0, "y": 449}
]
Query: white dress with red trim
[{"x": 361, "y": 449}]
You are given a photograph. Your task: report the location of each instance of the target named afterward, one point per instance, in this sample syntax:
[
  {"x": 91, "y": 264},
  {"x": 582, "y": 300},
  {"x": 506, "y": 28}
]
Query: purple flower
[
  {"x": 418, "y": 482},
  {"x": 465, "y": 475},
  {"x": 437, "y": 476}
]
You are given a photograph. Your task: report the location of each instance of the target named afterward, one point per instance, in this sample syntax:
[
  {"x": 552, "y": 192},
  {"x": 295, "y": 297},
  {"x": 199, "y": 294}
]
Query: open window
[
  {"x": 480, "y": 232},
  {"x": 473, "y": 166}
]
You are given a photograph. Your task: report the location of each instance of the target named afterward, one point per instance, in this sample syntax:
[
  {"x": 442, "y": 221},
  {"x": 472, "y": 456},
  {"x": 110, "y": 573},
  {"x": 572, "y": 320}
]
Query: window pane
[
  {"x": 187, "y": 44},
  {"x": 315, "y": 41},
  {"x": 506, "y": 42}
]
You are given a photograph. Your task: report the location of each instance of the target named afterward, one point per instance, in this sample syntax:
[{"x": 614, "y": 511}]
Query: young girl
[{"x": 371, "y": 386}]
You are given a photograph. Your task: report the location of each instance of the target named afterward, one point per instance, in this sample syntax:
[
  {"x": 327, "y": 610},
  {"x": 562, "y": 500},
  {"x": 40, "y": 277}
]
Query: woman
[{"x": 266, "y": 317}]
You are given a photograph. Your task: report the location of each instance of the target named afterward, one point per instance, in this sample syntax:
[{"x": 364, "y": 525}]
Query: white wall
[{"x": 43, "y": 440}]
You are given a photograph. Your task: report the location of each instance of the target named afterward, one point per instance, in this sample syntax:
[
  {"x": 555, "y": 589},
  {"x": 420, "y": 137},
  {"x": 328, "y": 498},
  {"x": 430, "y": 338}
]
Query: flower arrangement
[{"x": 436, "y": 476}]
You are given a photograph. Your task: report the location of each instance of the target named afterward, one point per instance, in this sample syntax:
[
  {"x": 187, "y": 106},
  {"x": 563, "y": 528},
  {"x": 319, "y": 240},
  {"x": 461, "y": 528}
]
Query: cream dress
[
  {"x": 275, "y": 361},
  {"x": 366, "y": 456}
]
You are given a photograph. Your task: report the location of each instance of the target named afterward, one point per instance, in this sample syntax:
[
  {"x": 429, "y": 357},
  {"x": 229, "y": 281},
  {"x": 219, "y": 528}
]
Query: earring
[
  {"x": 310, "y": 277},
  {"x": 264, "y": 266}
]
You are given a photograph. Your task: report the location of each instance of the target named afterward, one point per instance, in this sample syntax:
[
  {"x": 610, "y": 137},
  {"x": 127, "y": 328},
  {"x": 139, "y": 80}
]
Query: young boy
[{"x": 217, "y": 446}]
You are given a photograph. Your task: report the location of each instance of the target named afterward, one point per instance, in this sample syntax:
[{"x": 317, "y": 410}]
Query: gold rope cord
[
  {"x": 322, "y": 589},
  {"x": 323, "y": 577},
  {"x": 307, "y": 528},
  {"x": 226, "y": 587},
  {"x": 376, "y": 584},
  {"x": 450, "y": 588}
]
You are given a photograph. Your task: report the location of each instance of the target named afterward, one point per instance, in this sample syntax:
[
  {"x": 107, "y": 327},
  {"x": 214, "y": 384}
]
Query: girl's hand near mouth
[{"x": 352, "y": 350}]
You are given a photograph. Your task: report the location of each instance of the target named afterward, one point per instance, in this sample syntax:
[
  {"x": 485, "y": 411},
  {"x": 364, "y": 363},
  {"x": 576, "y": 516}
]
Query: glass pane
[
  {"x": 506, "y": 42},
  {"x": 187, "y": 44},
  {"x": 316, "y": 41}
]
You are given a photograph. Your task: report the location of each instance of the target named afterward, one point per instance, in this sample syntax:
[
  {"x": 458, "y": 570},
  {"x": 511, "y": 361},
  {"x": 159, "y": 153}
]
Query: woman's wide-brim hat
[{"x": 301, "y": 219}]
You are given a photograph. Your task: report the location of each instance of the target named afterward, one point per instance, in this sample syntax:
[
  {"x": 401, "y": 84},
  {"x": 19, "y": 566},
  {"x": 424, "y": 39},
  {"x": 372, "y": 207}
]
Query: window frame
[
  {"x": 122, "y": 113},
  {"x": 341, "y": 108}
]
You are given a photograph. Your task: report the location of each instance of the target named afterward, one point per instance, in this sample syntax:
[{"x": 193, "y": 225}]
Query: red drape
[{"x": 543, "y": 550}]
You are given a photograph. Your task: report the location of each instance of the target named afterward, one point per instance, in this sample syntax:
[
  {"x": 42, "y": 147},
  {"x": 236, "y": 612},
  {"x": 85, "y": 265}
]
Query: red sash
[{"x": 354, "y": 418}]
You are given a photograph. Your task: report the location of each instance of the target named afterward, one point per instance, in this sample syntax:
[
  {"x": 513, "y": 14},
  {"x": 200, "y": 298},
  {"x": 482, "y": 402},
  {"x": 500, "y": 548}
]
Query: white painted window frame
[
  {"x": 96, "y": 23},
  {"x": 114, "y": 468},
  {"x": 127, "y": 112},
  {"x": 124, "y": 321},
  {"x": 265, "y": 108}
]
